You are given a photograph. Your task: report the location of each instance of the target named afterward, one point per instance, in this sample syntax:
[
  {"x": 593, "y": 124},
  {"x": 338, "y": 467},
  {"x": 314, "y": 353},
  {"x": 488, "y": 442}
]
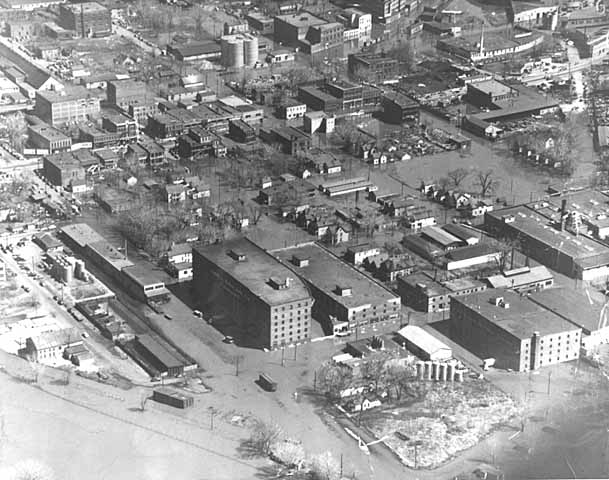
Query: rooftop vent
[
  {"x": 300, "y": 261},
  {"x": 343, "y": 291},
  {"x": 238, "y": 256},
  {"x": 280, "y": 284}
]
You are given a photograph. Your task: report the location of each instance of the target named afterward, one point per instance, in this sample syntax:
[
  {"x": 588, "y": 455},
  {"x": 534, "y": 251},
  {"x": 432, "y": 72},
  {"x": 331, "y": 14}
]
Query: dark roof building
[
  {"x": 269, "y": 305},
  {"x": 344, "y": 297}
]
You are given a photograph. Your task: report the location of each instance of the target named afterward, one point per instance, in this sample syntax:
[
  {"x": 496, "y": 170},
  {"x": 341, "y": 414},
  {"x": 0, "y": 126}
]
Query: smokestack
[{"x": 563, "y": 207}]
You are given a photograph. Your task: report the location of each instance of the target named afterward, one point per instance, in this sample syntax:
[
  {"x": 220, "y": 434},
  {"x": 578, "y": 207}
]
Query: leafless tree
[
  {"x": 333, "y": 378},
  {"x": 486, "y": 181},
  {"x": 324, "y": 467},
  {"x": 457, "y": 176},
  {"x": 373, "y": 370},
  {"x": 264, "y": 435}
]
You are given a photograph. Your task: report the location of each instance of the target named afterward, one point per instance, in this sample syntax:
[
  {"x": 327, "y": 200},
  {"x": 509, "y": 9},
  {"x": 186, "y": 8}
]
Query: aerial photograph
[{"x": 304, "y": 239}]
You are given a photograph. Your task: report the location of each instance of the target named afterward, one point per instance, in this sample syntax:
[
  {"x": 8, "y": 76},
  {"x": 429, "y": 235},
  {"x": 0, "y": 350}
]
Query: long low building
[
  {"x": 345, "y": 298},
  {"x": 423, "y": 344},
  {"x": 525, "y": 279},
  {"x": 138, "y": 281},
  {"x": 547, "y": 242},
  {"x": 517, "y": 332}
]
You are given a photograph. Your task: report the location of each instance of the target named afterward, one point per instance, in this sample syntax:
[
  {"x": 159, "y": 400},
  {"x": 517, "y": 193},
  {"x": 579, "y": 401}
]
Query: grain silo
[
  {"x": 232, "y": 51},
  {"x": 250, "y": 49}
]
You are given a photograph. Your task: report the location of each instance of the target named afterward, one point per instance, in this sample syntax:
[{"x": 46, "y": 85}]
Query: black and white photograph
[{"x": 304, "y": 239}]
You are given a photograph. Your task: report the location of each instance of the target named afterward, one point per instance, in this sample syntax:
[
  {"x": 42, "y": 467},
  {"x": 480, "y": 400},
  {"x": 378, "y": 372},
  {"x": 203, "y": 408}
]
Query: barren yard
[{"x": 450, "y": 418}]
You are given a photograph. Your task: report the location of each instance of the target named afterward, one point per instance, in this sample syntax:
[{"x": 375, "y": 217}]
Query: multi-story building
[
  {"x": 387, "y": 11},
  {"x": 48, "y": 138},
  {"x": 88, "y": 19},
  {"x": 268, "y": 305},
  {"x": 58, "y": 108},
  {"x": 261, "y": 23},
  {"x": 349, "y": 94},
  {"x": 141, "y": 111},
  {"x": 311, "y": 34},
  {"x": 48, "y": 347},
  {"x": 398, "y": 108},
  {"x": 97, "y": 137},
  {"x": 63, "y": 170},
  {"x": 292, "y": 109},
  {"x": 345, "y": 298},
  {"x": 357, "y": 25},
  {"x": 518, "y": 333},
  {"x": 421, "y": 292},
  {"x": 372, "y": 67},
  {"x": 123, "y": 126},
  {"x": 123, "y": 93}
]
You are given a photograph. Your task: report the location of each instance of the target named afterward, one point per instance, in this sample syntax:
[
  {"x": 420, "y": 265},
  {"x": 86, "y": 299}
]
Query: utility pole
[
  {"x": 341, "y": 465},
  {"x": 295, "y": 350},
  {"x": 282, "y": 356},
  {"x": 236, "y": 366},
  {"x": 549, "y": 381}
]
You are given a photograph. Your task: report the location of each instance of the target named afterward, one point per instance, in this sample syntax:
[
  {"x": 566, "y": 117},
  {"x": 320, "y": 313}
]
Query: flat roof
[
  {"x": 142, "y": 275},
  {"x": 539, "y": 227},
  {"x": 170, "y": 392},
  {"x": 403, "y": 101},
  {"x": 81, "y": 233},
  {"x": 492, "y": 86},
  {"x": 110, "y": 254},
  {"x": 159, "y": 352},
  {"x": 582, "y": 309},
  {"x": 325, "y": 271},
  {"x": 68, "y": 95},
  {"x": 424, "y": 281},
  {"x": 86, "y": 7},
  {"x": 526, "y": 277},
  {"x": 255, "y": 272},
  {"x": 48, "y": 132},
  {"x": 422, "y": 339},
  {"x": 523, "y": 317},
  {"x": 301, "y": 19}
]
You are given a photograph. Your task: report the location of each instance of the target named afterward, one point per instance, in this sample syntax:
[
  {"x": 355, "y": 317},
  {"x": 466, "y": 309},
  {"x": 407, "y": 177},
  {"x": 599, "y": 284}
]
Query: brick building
[
  {"x": 520, "y": 334},
  {"x": 267, "y": 303},
  {"x": 88, "y": 19}
]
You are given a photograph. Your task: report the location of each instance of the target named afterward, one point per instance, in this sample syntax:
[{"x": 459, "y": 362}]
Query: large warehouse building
[
  {"x": 518, "y": 333},
  {"x": 270, "y": 305},
  {"x": 345, "y": 298}
]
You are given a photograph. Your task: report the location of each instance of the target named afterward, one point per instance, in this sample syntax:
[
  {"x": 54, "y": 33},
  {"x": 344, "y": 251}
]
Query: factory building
[
  {"x": 517, "y": 332},
  {"x": 269, "y": 305},
  {"x": 88, "y": 19},
  {"x": 345, "y": 298}
]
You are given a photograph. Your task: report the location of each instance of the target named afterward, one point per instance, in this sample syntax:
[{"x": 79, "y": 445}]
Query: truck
[{"x": 267, "y": 383}]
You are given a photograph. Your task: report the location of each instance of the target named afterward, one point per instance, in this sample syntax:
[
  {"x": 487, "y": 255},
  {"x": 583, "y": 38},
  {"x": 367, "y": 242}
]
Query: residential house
[
  {"x": 48, "y": 347},
  {"x": 358, "y": 253},
  {"x": 175, "y": 193},
  {"x": 480, "y": 208}
]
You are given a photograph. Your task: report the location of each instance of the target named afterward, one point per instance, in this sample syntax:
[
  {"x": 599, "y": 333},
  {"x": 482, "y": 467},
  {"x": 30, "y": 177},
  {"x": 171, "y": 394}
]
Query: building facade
[{"x": 265, "y": 301}]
